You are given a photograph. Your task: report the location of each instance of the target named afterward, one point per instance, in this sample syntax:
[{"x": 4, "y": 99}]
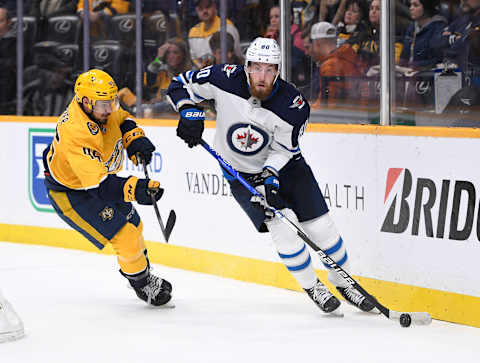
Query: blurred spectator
[
  {"x": 100, "y": 12},
  {"x": 455, "y": 38},
  {"x": 402, "y": 18},
  {"x": 367, "y": 43},
  {"x": 48, "y": 84},
  {"x": 312, "y": 82},
  {"x": 464, "y": 106},
  {"x": 418, "y": 49},
  {"x": 332, "y": 11},
  {"x": 354, "y": 20},
  {"x": 273, "y": 27},
  {"x": 343, "y": 63},
  {"x": 44, "y": 9},
  {"x": 8, "y": 63},
  {"x": 299, "y": 60},
  {"x": 47, "y": 8},
  {"x": 200, "y": 34},
  {"x": 250, "y": 17},
  {"x": 172, "y": 58},
  {"x": 215, "y": 46},
  {"x": 168, "y": 8}
]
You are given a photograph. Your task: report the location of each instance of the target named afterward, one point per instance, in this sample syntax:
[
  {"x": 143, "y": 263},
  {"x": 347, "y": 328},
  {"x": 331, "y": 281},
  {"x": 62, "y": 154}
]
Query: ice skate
[
  {"x": 323, "y": 298},
  {"x": 355, "y": 298},
  {"x": 156, "y": 292}
]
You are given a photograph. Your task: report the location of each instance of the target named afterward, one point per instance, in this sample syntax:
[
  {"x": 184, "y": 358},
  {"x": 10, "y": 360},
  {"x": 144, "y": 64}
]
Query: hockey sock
[
  {"x": 324, "y": 233},
  {"x": 292, "y": 250},
  {"x": 129, "y": 247}
]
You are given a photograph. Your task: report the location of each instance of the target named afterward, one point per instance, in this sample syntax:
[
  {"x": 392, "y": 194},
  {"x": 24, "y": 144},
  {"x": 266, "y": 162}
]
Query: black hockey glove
[
  {"x": 136, "y": 143},
  {"x": 272, "y": 188},
  {"x": 269, "y": 179},
  {"x": 190, "y": 127},
  {"x": 141, "y": 190}
]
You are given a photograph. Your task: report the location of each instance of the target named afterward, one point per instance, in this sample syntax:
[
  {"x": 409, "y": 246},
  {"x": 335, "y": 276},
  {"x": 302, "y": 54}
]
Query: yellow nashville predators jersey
[{"x": 83, "y": 153}]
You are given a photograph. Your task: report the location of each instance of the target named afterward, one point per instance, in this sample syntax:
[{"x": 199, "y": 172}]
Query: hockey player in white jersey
[{"x": 260, "y": 119}]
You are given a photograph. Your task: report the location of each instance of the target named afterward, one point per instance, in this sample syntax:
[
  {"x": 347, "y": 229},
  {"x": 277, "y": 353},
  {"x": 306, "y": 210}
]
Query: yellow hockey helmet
[{"x": 99, "y": 88}]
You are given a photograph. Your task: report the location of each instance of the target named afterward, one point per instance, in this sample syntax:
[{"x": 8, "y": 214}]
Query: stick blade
[
  {"x": 418, "y": 318},
  {"x": 172, "y": 218}
]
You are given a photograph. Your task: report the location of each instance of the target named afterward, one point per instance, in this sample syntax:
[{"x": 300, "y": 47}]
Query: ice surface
[{"x": 76, "y": 308}]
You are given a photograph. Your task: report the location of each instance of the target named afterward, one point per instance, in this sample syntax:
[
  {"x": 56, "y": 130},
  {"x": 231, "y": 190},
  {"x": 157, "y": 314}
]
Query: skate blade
[
  {"x": 169, "y": 305},
  {"x": 337, "y": 313}
]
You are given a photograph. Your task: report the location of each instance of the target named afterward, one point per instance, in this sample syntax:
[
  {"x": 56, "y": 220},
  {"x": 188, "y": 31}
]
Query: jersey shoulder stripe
[{"x": 228, "y": 77}]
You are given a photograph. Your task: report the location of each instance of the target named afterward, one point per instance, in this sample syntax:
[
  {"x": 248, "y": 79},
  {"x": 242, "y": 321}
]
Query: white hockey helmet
[{"x": 264, "y": 50}]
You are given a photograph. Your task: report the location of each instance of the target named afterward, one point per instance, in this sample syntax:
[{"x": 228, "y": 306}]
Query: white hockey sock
[
  {"x": 292, "y": 250},
  {"x": 323, "y": 232}
]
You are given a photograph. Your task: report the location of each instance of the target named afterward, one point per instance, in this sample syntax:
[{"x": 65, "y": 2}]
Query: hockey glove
[
  {"x": 272, "y": 188},
  {"x": 190, "y": 127},
  {"x": 136, "y": 143},
  {"x": 269, "y": 180},
  {"x": 141, "y": 190}
]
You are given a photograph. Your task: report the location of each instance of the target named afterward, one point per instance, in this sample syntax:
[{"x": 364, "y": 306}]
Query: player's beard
[{"x": 261, "y": 93}]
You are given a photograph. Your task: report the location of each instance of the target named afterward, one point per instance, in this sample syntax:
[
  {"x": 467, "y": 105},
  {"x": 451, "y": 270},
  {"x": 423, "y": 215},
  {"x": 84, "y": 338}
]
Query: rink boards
[{"x": 406, "y": 200}]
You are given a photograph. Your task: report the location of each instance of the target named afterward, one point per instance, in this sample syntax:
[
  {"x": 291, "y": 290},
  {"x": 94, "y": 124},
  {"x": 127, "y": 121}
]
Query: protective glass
[{"x": 106, "y": 106}]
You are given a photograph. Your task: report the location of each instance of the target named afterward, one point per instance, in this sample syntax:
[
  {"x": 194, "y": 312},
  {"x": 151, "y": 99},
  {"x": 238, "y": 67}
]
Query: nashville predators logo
[
  {"x": 106, "y": 214},
  {"x": 93, "y": 127}
]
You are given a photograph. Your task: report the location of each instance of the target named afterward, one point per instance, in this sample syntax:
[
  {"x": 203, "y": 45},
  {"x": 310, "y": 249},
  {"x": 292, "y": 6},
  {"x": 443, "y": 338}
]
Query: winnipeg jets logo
[
  {"x": 246, "y": 139},
  {"x": 229, "y": 69},
  {"x": 298, "y": 102}
]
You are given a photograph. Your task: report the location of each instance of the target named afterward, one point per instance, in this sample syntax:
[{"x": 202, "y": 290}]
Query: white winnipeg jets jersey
[{"x": 250, "y": 134}]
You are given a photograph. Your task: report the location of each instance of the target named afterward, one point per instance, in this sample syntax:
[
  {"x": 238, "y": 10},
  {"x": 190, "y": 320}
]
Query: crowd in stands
[{"x": 335, "y": 48}]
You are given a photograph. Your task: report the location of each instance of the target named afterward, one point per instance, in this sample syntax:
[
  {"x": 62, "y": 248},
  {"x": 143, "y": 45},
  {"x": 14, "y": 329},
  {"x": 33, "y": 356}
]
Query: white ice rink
[{"x": 76, "y": 308}]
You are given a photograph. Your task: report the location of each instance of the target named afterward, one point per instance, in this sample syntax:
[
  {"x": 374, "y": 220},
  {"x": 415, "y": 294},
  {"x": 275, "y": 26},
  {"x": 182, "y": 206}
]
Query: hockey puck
[{"x": 405, "y": 320}]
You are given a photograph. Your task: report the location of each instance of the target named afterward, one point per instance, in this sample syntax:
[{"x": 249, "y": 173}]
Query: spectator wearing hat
[
  {"x": 418, "y": 49},
  {"x": 339, "y": 68},
  {"x": 200, "y": 34}
]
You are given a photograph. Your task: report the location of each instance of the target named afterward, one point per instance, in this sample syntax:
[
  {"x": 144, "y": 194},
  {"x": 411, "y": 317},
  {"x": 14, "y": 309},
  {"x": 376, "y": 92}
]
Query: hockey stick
[
  {"x": 172, "y": 217},
  {"x": 405, "y": 319}
]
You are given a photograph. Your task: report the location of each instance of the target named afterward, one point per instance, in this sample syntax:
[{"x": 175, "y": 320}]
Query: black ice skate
[
  {"x": 353, "y": 296},
  {"x": 156, "y": 292},
  {"x": 324, "y": 299}
]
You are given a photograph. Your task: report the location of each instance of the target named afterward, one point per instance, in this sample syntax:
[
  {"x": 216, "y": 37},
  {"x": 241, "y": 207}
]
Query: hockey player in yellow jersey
[{"x": 80, "y": 175}]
